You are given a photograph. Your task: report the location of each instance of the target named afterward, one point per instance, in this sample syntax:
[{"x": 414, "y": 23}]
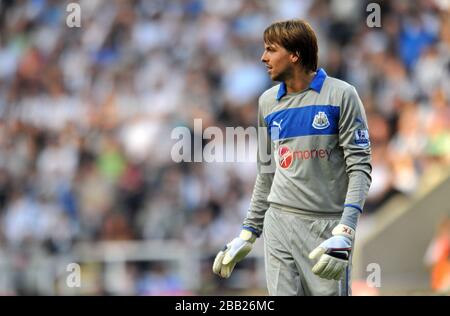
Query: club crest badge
[{"x": 320, "y": 121}]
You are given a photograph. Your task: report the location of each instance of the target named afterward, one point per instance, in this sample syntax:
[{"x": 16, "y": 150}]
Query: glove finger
[
  {"x": 226, "y": 270},
  {"x": 338, "y": 271},
  {"x": 320, "y": 266},
  {"x": 316, "y": 253},
  {"x": 338, "y": 276},
  {"x": 217, "y": 265},
  {"x": 335, "y": 274},
  {"x": 329, "y": 270}
]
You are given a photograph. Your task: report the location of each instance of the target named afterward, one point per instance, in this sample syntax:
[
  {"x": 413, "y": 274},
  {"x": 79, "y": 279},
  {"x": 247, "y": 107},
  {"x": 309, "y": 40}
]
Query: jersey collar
[{"x": 316, "y": 84}]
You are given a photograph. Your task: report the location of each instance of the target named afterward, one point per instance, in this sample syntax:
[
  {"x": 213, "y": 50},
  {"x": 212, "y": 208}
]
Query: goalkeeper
[{"x": 315, "y": 129}]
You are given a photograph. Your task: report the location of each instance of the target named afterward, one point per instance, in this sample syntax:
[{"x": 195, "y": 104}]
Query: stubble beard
[{"x": 282, "y": 76}]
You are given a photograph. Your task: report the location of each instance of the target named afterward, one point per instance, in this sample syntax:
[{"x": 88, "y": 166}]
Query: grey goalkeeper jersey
[{"x": 320, "y": 147}]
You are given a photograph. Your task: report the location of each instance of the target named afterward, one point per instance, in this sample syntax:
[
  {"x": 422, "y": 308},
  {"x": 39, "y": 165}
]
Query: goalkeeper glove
[
  {"x": 232, "y": 253},
  {"x": 333, "y": 253}
]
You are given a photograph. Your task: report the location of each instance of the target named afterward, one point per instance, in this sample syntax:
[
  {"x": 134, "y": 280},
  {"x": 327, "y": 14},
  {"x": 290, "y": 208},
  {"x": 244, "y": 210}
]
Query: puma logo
[{"x": 278, "y": 124}]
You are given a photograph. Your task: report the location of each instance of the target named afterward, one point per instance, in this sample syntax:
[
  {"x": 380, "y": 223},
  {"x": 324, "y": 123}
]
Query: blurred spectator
[{"x": 159, "y": 280}]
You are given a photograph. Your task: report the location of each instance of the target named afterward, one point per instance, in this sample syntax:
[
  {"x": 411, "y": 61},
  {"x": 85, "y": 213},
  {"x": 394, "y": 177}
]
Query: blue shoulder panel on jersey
[{"x": 304, "y": 121}]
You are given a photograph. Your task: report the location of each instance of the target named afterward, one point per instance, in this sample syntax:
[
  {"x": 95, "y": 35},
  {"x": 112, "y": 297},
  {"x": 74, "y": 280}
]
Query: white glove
[
  {"x": 333, "y": 253},
  {"x": 232, "y": 253}
]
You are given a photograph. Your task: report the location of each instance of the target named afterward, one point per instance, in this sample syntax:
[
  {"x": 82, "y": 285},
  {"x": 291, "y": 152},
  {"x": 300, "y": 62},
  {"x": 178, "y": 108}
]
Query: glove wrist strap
[
  {"x": 344, "y": 230},
  {"x": 247, "y": 235}
]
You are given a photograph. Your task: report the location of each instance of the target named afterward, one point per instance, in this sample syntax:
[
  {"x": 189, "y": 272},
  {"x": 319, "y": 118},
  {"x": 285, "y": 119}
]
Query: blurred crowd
[{"x": 86, "y": 113}]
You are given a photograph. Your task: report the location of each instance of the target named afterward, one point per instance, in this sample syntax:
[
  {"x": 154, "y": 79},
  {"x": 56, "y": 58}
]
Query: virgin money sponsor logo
[{"x": 287, "y": 156}]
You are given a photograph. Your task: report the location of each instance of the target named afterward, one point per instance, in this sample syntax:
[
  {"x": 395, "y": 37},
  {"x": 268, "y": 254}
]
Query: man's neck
[{"x": 299, "y": 81}]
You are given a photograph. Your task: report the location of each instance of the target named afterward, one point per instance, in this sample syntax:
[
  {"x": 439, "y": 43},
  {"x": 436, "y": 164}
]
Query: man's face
[{"x": 279, "y": 61}]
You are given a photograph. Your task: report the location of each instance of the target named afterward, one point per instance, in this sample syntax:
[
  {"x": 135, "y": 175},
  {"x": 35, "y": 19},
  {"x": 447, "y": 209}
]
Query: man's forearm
[
  {"x": 259, "y": 204},
  {"x": 358, "y": 187}
]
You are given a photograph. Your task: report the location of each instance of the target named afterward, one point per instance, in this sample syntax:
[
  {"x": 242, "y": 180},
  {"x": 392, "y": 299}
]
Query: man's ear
[{"x": 295, "y": 57}]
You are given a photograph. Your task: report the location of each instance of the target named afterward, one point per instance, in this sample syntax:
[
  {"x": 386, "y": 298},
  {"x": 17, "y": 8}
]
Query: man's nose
[{"x": 264, "y": 57}]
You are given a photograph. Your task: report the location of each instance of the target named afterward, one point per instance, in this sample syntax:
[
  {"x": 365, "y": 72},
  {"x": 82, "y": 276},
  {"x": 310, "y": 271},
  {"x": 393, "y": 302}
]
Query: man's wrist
[
  {"x": 255, "y": 231},
  {"x": 350, "y": 217},
  {"x": 344, "y": 230},
  {"x": 247, "y": 235}
]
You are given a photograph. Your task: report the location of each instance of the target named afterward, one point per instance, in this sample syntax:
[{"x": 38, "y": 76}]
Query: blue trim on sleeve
[
  {"x": 253, "y": 230},
  {"x": 354, "y": 206},
  {"x": 304, "y": 121}
]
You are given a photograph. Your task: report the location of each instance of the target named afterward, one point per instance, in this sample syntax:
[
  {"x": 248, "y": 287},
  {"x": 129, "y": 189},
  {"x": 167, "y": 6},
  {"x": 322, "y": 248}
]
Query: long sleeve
[
  {"x": 265, "y": 165},
  {"x": 354, "y": 139}
]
